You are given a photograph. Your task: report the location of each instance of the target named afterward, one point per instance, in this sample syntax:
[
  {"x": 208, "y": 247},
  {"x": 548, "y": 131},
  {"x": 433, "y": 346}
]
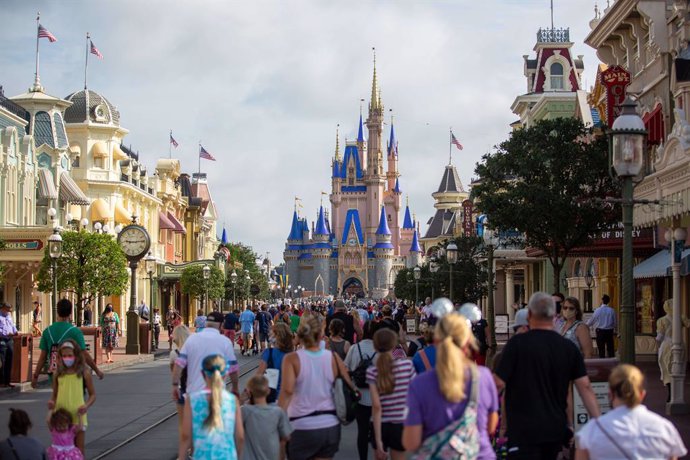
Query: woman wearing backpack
[
  {"x": 388, "y": 382},
  {"x": 272, "y": 358},
  {"x": 306, "y": 394},
  {"x": 360, "y": 356},
  {"x": 453, "y": 407}
]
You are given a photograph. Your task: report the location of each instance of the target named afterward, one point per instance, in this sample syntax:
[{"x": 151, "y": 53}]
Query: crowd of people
[{"x": 425, "y": 396}]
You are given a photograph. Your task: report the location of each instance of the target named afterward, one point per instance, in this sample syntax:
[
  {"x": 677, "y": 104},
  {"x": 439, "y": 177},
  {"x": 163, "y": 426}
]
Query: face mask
[
  {"x": 568, "y": 314},
  {"x": 68, "y": 362}
]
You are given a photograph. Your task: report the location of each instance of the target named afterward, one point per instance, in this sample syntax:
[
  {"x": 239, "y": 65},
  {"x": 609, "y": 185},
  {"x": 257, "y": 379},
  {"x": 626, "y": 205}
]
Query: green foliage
[
  {"x": 91, "y": 264},
  {"x": 469, "y": 276},
  {"x": 192, "y": 282},
  {"x": 547, "y": 181},
  {"x": 244, "y": 255}
]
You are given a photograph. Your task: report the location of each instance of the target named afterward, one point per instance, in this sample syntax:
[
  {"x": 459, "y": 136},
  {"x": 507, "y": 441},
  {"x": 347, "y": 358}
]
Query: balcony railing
[{"x": 553, "y": 35}]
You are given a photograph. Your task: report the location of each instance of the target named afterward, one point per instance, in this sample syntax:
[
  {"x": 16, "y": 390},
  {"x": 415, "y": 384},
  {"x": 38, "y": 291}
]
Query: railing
[{"x": 553, "y": 35}]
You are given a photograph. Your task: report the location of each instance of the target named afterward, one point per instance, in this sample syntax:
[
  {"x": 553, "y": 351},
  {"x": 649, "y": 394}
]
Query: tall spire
[
  {"x": 295, "y": 230},
  {"x": 408, "y": 223},
  {"x": 321, "y": 227},
  {"x": 337, "y": 142},
  {"x": 392, "y": 142},
  {"x": 383, "y": 223},
  {"x": 375, "y": 100},
  {"x": 360, "y": 133},
  {"x": 415, "y": 243}
]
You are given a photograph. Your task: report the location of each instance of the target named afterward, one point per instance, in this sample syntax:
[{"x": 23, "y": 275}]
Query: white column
[
  {"x": 677, "y": 404},
  {"x": 510, "y": 294}
]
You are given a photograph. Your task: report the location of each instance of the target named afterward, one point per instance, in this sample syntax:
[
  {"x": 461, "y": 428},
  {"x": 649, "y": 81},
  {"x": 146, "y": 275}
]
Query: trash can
[
  {"x": 144, "y": 338},
  {"x": 22, "y": 362},
  {"x": 92, "y": 337}
]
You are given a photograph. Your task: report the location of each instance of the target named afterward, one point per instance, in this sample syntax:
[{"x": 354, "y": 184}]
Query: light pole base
[
  {"x": 673, "y": 408},
  {"x": 132, "y": 347}
]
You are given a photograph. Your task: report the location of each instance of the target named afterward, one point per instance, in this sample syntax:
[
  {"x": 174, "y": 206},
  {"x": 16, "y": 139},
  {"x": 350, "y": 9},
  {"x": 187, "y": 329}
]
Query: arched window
[{"x": 556, "y": 76}]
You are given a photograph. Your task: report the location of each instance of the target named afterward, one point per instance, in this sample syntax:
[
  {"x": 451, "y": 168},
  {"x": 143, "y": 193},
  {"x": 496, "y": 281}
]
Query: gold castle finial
[
  {"x": 337, "y": 142},
  {"x": 375, "y": 92}
]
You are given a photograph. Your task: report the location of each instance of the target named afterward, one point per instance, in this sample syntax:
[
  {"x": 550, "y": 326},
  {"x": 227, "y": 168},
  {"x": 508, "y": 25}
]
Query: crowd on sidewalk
[{"x": 325, "y": 364}]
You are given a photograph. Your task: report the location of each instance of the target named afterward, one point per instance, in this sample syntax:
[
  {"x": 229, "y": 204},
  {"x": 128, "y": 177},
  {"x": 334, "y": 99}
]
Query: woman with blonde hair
[
  {"x": 280, "y": 344},
  {"x": 306, "y": 394},
  {"x": 212, "y": 418},
  {"x": 629, "y": 430},
  {"x": 454, "y": 403},
  {"x": 388, "y": 381}
]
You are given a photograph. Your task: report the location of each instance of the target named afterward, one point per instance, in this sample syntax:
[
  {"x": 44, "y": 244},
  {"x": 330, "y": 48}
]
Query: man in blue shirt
[
  {"x": 605, "y": 324},
  {"x": 230, "y": 323},
  {"x": 7, "y": 333},
  {"x": 247, "y": 328},
  {"x": 265, "y": 321}
]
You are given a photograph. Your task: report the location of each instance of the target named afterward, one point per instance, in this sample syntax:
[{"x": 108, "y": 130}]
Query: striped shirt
[{"x": 394, "y": 405}]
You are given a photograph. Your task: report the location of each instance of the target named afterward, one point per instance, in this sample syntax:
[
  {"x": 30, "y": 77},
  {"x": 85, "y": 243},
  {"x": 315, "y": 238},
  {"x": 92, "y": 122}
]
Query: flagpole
[
  {"x": 86, "y": 65},
  {"x": 450, "y": 145},
  {"x": 37, "y": 79},
  {"x": 199, "y": 159},
  {"x": 170, "y": 145}
]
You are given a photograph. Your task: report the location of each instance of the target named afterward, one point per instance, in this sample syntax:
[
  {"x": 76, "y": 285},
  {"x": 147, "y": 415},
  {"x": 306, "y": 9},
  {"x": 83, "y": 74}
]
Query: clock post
[{"x": 135, "y": 243}]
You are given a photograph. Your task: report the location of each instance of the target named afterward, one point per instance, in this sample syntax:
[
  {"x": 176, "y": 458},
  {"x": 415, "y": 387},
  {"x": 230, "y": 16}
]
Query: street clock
[{"x": 134, "y": 241}]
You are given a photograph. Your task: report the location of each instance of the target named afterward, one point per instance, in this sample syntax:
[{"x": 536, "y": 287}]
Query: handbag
[
  {"x": 460, "y": 439},
  {"x": 273, "y": 376},
  {"x": 612, "y": 439},
  {"x": 344, "y": 397}
]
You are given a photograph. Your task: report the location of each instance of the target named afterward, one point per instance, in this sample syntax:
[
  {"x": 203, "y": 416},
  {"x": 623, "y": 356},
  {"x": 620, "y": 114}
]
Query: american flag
[
  {"x": 95, "y": 51},
  {"x": 205, "y": 155},
  {"x": 455, "y": 141},
  {"x": 173, "y": 141},
  {"x": 45, "y": 33}
]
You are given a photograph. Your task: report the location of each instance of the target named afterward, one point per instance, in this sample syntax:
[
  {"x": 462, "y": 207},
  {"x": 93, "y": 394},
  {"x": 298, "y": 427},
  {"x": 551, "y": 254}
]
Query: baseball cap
[
  {"x": 215, "y": 317},
  {"x": 520, "y": 318}
]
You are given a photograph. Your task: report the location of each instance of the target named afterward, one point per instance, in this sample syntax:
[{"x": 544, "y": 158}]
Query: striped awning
[
  {"x": 164, "y": 223},
  {"x": 178, "y": 226},
  {"x": 122, "y": 215},
  {"x": 657, "y": 266},
  {"x": 46, "y": 186},
  {"x": 70, "y": 191}
]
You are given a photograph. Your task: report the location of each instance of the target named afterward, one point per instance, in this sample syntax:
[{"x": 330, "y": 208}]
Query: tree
[
  {"x": 92, "y": 264},
  {"x": 548, "y": 182},
  {"x": 244, "y": 255},
  {"x": 192, "y": 282},
  {"x": 469, "y": 275}
]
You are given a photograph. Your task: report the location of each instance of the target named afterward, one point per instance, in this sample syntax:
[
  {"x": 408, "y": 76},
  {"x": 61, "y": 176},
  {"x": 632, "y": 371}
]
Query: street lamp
[
  {"x": 249, "y": 282},
  {"x": 677, "y": 403},
  {"x": 233, "y": 281},
  {"x": 452, "y": 257},
  {"x": 433, "y": 268},
  {"x": 490, "y": 241},
  {"x": 55, "y": 251},
  {"x": 150, "y": 263},
  {"x": 627, "y": 157},
  {"x": 206, "y": 270},
  {"x": 417, "y": 274}
]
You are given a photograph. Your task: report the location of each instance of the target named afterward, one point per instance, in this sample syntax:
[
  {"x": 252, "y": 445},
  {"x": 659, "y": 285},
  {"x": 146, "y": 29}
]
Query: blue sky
[{"x": 263, "y": 85}]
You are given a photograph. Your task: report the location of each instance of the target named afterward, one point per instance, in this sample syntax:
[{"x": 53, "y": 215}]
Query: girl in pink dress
[{"x": 63, "y": 431}]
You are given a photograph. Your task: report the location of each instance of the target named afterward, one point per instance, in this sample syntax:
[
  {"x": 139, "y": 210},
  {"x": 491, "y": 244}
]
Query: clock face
[
  {"x": 134, "y": 241},
  {"x": 351, "y": 242}
]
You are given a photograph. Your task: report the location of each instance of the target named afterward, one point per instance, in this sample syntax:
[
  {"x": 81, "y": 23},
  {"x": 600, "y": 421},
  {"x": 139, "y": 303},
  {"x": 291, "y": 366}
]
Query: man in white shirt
[
  {"x": 196, "y": 348},
  {"x": 605, "y": 324}
]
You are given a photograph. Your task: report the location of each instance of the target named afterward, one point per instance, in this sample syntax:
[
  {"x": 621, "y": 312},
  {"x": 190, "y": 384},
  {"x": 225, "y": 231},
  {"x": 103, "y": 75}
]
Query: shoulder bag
[
  {"x": 273, "y": 376},
  {"x": 344, "y": 397}
]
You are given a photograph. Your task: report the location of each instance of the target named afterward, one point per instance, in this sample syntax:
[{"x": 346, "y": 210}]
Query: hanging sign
[
  {"x": 615, "y": 79},
  {"x": 467, "y": 224}
]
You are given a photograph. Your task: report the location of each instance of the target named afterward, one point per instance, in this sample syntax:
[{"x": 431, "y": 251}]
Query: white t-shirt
[
  {"x": 641, "y": 433},
  {"x": 197, "y": 347},
  {"x": 352, "y": 361}
]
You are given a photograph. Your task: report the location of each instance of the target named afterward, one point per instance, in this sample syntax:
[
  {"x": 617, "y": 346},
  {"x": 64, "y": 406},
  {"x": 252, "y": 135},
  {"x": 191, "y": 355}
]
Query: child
[
  {"x": 68, "y": 388},
  {"x": 19, "y": 444},
  {"x": 63, "y": 432},
  {"x": 199, "y": 321},
  {"x": 266, "y": 427},
  {"x": 212, "y": 419}
]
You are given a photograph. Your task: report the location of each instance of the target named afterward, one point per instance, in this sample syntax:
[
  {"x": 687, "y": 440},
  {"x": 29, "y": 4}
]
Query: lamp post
[
  {"x": 490, "y": 241},
  {"x": 677, "y": 404},
  {"x": 452, "y": 257},
  {"x": 417, "y": 274},
  {"x": 55, "y": 251},
  {"x": 248, "y": 279},
  {"x": 150, "y": 264},
  {"x": 206, "y": 270},
  {"x": 233, "y": 281},
  {"x": 627, "y": 157},
  {"x": 433, "y": 268}
]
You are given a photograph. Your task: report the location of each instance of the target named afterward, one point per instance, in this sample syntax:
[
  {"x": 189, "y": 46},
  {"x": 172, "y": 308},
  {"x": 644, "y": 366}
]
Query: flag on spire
[
  {"x": 454, "y": 140},
  {"x": 95, "y": 51},
  {"x": 45, "y": 33},
  {"x": 173, "y": 142},
  {"x": 205, "y": 155}
]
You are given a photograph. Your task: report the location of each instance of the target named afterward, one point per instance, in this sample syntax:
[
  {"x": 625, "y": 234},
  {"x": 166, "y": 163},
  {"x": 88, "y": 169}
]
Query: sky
[{"x": 264, "y": 83}]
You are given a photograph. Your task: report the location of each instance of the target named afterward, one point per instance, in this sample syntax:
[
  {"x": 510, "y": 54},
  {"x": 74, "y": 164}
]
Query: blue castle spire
[
  {"x": 383, "y": 224},
  {"x": 407, "y": 221},
  {"x": 392, "y": 143},
  {"x": 321, "y": 227},
  {"x": 415, "y": 243},
  {"x": 224, "y": 238},
  {"x": 296, "y": 229},
  {"x": 360, "y": 133},
  {"x": 396, "y": 189}
]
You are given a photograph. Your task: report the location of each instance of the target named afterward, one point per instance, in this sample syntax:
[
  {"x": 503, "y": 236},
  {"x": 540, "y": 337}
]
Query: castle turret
[
  {"x": 292, "y": 250},
  {"x": 406, "y": 231},
  {"x": 414, "y": 257},
  {"x": 321, "y": 254},
  {"x": 392, "y": 155},
  {"x": 384, "y": 253},
  {"x": 374, "y": 178}
]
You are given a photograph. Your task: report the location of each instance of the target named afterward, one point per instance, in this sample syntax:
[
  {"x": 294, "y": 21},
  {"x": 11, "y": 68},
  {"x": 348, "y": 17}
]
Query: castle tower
[
  {"x": 321, "y": 254},
  {"x": 292, "y": 251},
  {"x": 374, "y": 177},
  {"x": 407, "y": 231},
  {"x": 414, "y": 256},
  {"x": 393, "y": 192},
  {"x": 383, "y": 257},
  {"x": 336, "y": 183}
]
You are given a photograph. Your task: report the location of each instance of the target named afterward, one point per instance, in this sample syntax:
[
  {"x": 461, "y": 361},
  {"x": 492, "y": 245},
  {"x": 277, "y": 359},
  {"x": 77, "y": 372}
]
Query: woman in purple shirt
[{"x": 437, "y": 399}]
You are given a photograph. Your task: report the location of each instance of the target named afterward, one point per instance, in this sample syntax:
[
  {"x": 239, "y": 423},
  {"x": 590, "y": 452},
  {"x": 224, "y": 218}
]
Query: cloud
[{"x": 263, "y": 85}]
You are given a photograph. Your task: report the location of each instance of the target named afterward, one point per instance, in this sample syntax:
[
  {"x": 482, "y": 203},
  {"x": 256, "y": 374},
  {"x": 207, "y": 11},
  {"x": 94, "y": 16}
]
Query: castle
[{"x": 357, "y": 248}]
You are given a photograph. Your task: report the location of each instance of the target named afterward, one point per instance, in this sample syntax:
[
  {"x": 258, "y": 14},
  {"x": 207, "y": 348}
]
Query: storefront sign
[
  {"x": 598, "y": 371},
  {"x": 175, "y": 270},
  {"x": 467, "y": 224},
  {"x": 615, "y": 79},
  {"x": 23, "y": 245}
]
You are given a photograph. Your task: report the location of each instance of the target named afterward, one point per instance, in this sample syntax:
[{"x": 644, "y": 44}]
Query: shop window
[{"x": 556, "y": 76}]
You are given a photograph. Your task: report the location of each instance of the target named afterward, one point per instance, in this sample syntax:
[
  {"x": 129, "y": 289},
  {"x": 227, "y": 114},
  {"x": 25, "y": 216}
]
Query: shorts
[
  {"x": 391, "y": 436},
  {"x": 263, "y": 336},
  {"x": 247, "y": 336},
  {"x": 320, "y": 443},
  {"x": 230, "y": 333}
]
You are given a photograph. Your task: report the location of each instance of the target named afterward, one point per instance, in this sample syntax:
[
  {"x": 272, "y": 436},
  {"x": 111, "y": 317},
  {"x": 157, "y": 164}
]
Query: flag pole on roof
[
  {"x": 86, "y": 61},
  {"x": 41, "y": 32}
]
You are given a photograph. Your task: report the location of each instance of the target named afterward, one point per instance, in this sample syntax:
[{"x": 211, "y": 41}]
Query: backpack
[
  {"x": 359, "y": 374},
  {"x": 344, "y": 397},
  {"x": 183, "y": 376},
  {"x": 54, "y": 350},
  {"x": 272, "y": 375}
]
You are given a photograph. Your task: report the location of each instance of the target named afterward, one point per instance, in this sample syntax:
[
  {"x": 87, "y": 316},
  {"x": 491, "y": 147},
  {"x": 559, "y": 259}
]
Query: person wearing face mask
[
  {"x": 574, "y": 329},
  {"x": 7, "y": 332}
]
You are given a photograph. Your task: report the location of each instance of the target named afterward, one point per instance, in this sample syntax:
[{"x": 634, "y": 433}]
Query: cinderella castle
[{"x": 357, "y": 248}]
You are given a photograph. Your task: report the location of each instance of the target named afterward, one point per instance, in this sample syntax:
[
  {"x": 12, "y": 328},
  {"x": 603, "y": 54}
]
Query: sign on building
[{"x": 615, "y": 79}]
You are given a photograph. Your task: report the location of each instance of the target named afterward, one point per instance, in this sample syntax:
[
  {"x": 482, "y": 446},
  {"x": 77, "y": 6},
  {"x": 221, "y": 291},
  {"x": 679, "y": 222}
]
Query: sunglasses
[{"x": 567, "y": 308}]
